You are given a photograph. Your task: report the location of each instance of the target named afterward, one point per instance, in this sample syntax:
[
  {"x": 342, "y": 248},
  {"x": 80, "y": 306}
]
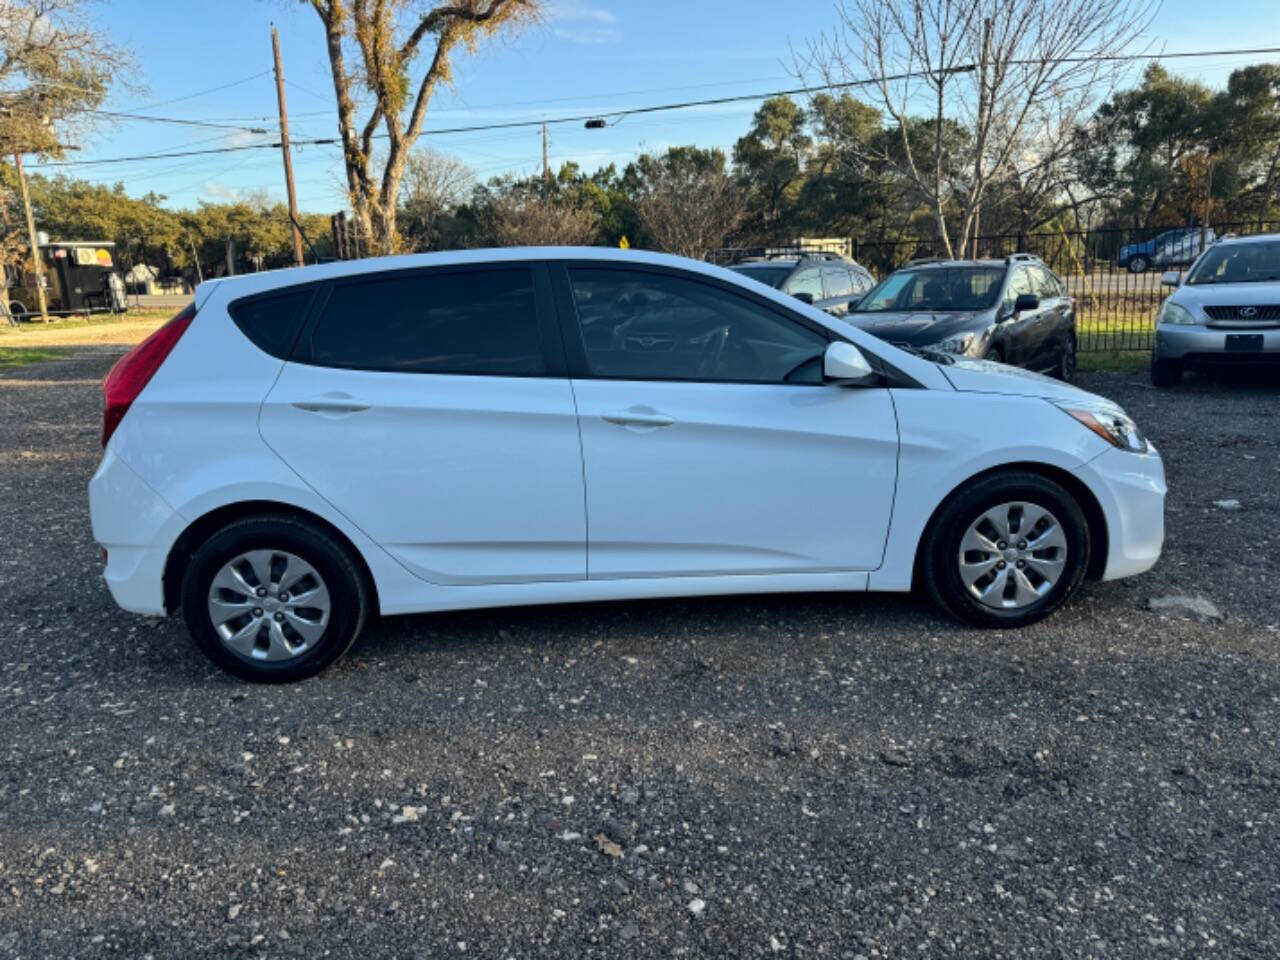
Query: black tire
[
  {"x": 1139, "y": 264},
  {"x": 1165, "y": 373},
  {"x": 349, "y": 595},
  {"x": 1065, "y": 370},
  {"x": 939, "y": 568}
]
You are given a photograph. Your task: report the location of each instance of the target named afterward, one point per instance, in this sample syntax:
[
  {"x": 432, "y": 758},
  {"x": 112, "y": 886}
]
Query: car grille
[{"x": 1248, "y": 313}]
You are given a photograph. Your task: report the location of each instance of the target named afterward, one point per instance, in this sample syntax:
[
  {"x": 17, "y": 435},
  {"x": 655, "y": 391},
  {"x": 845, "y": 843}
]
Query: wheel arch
[
  {"x": 198, "y": 532},
  {"x": 1098, "y": 534}
]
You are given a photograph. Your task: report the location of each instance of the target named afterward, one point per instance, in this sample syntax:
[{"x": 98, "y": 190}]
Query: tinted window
[
  {"x": 474, "y": 321},
  {"x": 808, "y": 280},
  {"x": 936, "y": 288},
  {"x": 272, "y": 321},
  {"x": 836, "y": 282},
  {"x": 763, "y": 273},
  {"x": 654, "y": 326}
]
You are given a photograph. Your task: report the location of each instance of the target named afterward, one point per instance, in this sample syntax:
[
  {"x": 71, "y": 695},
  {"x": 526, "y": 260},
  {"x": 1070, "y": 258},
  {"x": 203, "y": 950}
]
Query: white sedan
[{"x": 301, "y": 449}]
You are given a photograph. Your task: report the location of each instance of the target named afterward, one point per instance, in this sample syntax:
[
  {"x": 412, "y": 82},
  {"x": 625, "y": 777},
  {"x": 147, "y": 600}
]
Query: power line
[
  {"x": 201, "y": 93},
  {"x": 661, "y": 107},
  {"x": 176, "y": 120}
]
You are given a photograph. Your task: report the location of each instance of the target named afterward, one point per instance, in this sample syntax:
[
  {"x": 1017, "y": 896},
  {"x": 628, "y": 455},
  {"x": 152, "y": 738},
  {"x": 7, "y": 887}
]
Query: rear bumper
[
  {"x": 1130, "y": 489},
  {"x": 136, "y": 527},
  {"x": 1209, "y": 344}
]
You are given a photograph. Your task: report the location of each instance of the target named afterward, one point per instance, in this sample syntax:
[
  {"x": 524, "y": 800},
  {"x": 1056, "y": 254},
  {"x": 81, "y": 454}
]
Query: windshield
[
  {"x": 769, "y": 274},
  {"x": 1249, "y": 262},
  {"x": 936, "y": 288}
]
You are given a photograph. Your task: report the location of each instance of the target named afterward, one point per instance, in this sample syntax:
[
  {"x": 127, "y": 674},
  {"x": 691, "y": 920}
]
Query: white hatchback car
[{"x": 298, "y": 450}]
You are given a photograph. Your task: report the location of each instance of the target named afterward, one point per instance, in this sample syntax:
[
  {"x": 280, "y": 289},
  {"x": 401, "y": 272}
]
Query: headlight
[
  {"x": 960, "y": 344},
  {"x": 1106, "y": 420},
  {"x": 1171, "y": 312}
]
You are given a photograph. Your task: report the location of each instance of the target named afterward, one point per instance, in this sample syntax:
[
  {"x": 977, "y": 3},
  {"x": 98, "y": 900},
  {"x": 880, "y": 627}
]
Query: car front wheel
[
  {"x": 1139, "y": 264},
  {"x": 273, "y": 599},
  {"x": 1065, "y": 369},
  {"x": 1165, "y": 373},
  {"x": 1006, "y": 550}
]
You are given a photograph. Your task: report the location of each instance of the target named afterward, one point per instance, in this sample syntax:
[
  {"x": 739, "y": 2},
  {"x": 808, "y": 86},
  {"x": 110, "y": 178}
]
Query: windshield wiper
[{"x": 937, "y": 356}]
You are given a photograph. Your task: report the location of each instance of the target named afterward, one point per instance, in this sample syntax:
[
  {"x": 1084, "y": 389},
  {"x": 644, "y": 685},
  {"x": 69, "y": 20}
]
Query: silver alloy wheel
[
  {"x": 269, "y": 605},
  {"x": 1012, "y": 555}
]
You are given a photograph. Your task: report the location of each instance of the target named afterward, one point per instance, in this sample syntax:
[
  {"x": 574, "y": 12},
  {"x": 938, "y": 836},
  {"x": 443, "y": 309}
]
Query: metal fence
[{"x": 1116, "y": 294}]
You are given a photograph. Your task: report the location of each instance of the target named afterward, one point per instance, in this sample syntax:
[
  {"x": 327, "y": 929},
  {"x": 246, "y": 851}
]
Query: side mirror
[
  {"x": 843, "y": 363},
  {"x": 1171, "y": 278},
  {"x": 1026, "y": 301},
  {"x": 804, "y": 297}
]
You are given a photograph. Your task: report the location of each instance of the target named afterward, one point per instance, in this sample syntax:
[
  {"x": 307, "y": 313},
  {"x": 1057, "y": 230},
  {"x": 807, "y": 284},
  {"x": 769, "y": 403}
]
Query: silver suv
[{"x": 1226, "y": 311}]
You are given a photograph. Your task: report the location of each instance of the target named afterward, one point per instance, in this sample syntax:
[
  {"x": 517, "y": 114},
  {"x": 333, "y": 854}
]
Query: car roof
[{"x": 1245, "y": 238}]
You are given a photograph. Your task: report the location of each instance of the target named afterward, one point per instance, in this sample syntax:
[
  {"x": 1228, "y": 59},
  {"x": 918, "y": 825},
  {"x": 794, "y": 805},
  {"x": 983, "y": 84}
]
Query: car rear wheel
[
  {"x": 1139, "y": 264},
  {"x": 1165, "y": 373},
  {"x": 273, "y": 599},
  {"x": 1006, "y": 551}
]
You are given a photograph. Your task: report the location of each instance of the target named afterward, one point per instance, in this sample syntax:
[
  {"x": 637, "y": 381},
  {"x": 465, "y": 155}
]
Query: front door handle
[{"x": 638, "y": 417}]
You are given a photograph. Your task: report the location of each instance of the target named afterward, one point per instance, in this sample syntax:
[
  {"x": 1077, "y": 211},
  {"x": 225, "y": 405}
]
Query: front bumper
[
  {"x": 1130, "y": 488},
  {"x": 136, "y": 528},
  {"x": 1197, "y": 342}
]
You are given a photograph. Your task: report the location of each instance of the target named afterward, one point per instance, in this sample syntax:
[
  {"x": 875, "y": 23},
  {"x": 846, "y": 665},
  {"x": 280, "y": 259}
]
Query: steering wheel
[{"x": 713, "y": 350}]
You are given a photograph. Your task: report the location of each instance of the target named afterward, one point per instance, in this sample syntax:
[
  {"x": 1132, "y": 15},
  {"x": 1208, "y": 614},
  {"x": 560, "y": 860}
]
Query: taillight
[{"x": 135, "y": 369}]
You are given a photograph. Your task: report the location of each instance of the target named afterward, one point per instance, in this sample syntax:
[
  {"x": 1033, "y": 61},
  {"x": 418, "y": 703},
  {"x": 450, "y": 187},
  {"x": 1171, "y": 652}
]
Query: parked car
[
  {"x": 1171, "y": 248},
  {"x": 1012, "y": 311},
  {"x": 299, "y": 450},
  {"x": 827, "y": 280},
  {"x": 1227, "y": 311}
]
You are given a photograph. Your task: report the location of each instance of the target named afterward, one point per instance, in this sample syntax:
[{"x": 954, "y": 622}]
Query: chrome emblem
[{"x": 1248, "y": 312}]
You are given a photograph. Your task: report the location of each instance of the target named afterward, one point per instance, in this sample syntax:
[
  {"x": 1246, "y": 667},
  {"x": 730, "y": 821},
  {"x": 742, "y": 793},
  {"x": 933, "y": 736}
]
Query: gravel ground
[{"x": 791, "y": 776}]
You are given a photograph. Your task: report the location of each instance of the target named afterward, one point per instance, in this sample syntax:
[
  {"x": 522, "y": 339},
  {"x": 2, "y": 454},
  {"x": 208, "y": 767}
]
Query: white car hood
[{"x": 983, "y": 376}]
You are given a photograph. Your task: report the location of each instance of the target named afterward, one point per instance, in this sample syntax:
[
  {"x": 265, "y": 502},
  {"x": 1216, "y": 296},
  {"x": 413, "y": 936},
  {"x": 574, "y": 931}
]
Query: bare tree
[
  {"x": 385, "y": 38},
  {"x": 1017, "y": 75},
  {"x": 434, "y": 185},
  {"x": 538, "y": 218},
  {"x": 686, "y": 199},
  {"x": 55, "y": 66}
]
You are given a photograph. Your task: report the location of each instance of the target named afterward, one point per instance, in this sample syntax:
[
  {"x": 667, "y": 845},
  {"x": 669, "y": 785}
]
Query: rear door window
[{"x": 465, "y": 322}]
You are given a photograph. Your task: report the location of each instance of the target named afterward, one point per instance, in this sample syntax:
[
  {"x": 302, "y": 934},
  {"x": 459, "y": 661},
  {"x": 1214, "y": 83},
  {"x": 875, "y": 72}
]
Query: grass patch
[
  {"x": 124, "y": 329},
  {"x": 21, "y": 356},
  {"x": 1114, "y": 361}
]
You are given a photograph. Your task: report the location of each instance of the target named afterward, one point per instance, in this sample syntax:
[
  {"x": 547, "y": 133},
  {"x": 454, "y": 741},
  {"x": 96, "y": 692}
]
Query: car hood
[
  {"x": 916, "y": 329},
  {"x": 1246, "y": 294},
  {"x": 983, "y": 376}
]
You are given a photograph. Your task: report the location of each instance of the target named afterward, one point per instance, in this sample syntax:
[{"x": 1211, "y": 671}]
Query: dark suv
[
  {"x": 1013, "y": 311},
  {"x": 826, "y": 280}
]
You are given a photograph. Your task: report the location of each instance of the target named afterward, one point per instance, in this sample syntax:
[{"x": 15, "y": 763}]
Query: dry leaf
[{"x": 608, "y": 847}]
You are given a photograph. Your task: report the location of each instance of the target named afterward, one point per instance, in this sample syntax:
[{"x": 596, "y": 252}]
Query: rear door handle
[
  {"x": 332, "y": 404},
  {"x": 639, "y": 417}
]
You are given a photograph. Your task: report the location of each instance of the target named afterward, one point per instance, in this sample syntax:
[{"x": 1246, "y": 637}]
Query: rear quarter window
[{"x": 272, "y": 321}]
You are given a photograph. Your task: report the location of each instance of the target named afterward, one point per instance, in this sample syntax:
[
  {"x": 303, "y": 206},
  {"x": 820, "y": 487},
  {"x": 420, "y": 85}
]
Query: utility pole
[
  {"x": 984, "y": 108},
  {"x": 31, "y": 234},
  {"x": 546, "y": 167},
  {"x": 284, "y": 148}
]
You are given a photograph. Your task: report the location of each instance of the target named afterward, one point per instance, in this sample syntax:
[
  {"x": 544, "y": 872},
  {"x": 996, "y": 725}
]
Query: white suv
[{"x": 299, "y": 450}]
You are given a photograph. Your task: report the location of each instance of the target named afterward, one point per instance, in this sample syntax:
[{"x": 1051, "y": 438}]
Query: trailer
[{"x": 79, "y": 277}]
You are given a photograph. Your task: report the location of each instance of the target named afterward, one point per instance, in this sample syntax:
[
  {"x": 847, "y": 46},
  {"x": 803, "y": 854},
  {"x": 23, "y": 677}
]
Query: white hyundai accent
[{"x": 298, "y": 450}]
